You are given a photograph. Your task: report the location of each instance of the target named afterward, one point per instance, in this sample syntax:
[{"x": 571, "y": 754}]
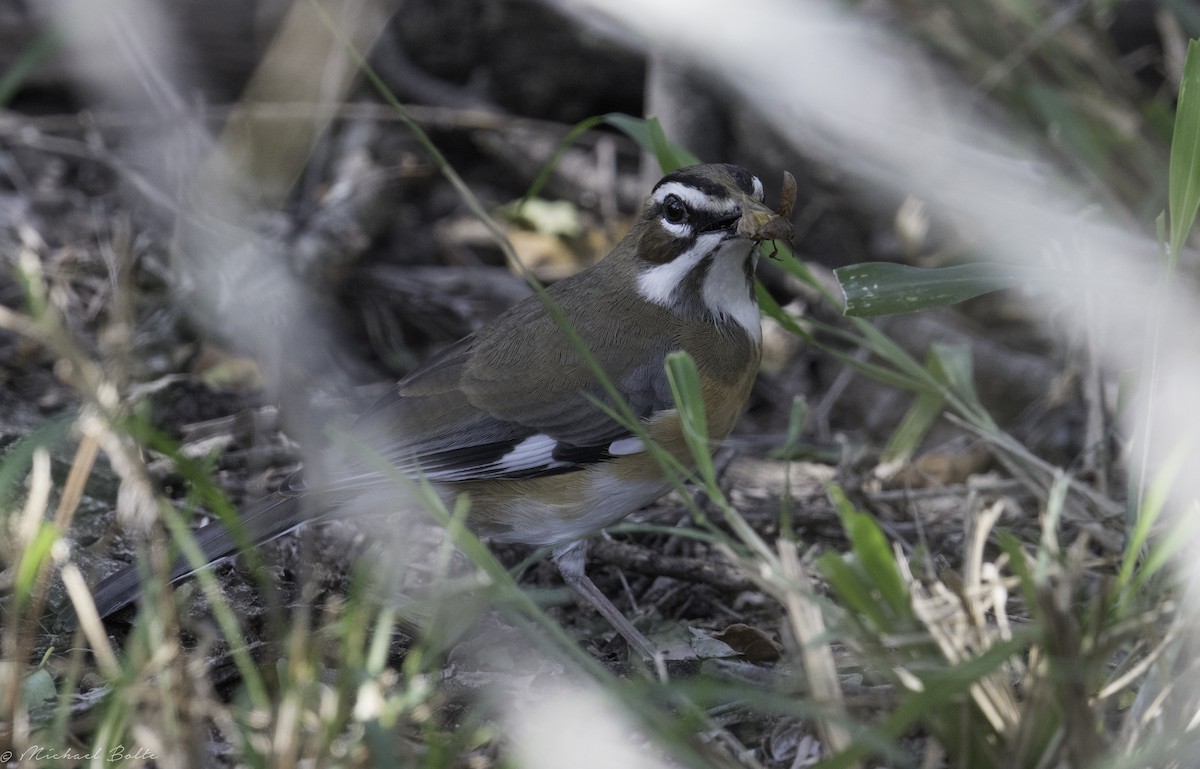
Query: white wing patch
[
  {"x": 531, "y": 455},
  {"x": 535, "y": 451},
  {"x": 626, "y": 446}
]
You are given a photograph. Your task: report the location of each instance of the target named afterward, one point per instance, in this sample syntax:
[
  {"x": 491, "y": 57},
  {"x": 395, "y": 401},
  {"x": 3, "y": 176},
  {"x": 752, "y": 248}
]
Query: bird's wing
[{"x": 503, "y": 407}]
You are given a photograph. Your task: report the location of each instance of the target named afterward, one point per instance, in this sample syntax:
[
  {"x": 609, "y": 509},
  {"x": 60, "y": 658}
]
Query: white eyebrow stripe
[
  {"x": 695, "y": 199},
  {"x": 658, "y": 283}
]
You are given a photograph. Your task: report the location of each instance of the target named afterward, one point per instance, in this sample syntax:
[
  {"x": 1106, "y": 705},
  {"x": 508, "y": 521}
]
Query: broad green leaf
[
  {"x": 670, "y": 155},
  {"x": 649, "y": 135},
  {"x": 1183, "y": 187},
  {"x": 37, "y": 690},
  {"x": 883, "y": 288}
]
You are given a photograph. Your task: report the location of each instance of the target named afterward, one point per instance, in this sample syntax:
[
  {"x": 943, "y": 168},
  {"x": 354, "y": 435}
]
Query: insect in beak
[{"x": 759, "y": 223}]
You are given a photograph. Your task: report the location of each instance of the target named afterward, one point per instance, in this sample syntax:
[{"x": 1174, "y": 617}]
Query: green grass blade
[
  {"x": 882, "y": 288},
  {"x": 851, "y": 589},
  {"x": 16, "y": 460},
  {"x": 1019, "y": 563},
  {"x": 34, "y": 556},
  {"x": 1183, "y": 186},
  {"x": 1153, "y": 503},
  {"x": 873, "y": 554},
  {"x": 882, "y": 346},
  {"x": 577, "y": 130},
  {"x": 785, "y": 259},
  {"x": 685, "y": 388},
  {"x": 911, "y": 431},
  {"x": 956, "y": 369}
]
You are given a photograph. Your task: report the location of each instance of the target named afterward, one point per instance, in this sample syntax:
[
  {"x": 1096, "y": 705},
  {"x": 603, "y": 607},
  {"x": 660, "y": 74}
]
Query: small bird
[{"x": 509, "y": 414}]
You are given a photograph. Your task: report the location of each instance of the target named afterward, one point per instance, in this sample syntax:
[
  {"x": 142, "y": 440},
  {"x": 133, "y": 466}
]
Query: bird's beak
[{"x": 759, "y": 223}]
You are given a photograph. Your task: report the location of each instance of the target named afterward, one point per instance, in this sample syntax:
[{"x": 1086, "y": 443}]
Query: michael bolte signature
[{"x": 36, "y": 753}]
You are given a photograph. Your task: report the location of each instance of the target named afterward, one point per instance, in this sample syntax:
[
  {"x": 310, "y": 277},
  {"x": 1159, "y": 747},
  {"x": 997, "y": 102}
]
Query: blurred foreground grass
[{"x": 1043, "y": 651}]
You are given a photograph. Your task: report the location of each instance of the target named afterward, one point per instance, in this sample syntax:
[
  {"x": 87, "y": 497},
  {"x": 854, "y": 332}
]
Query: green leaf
[
  {"x": 912, "y": 428},
  {"x": 798, "y": 417},
  {"x": 649, "y": 135},
  {"x": 37, "y": 690},
  {"x": 955, "y": 366},
  {"x": 16, "y": 460},
  {"x": 1075, "y": 127},
  {"x": 854, "y": 591},
  {"x": 769, "y": 307},
  {"x": 883, "y": 288},
  {"x": 1150, "y": 545},
  {"x": 956, "y": 369},
  {"x": 35, "y": 554},
  {"x": 1019, "y": 563},
  {"x": 952, "y": 367},
  {"x": 685, "y": 388},
  {"x": 1183, "y": 186},
  {"x": 785, "y": 259},
  {"x": 871, "y": 550}
]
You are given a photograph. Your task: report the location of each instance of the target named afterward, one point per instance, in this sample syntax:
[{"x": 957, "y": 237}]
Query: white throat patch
[{"x": 724, "y": 292}]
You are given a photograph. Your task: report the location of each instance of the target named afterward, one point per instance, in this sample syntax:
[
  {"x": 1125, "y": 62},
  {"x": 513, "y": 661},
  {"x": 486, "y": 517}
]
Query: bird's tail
[{"x": 264, "y": 521}]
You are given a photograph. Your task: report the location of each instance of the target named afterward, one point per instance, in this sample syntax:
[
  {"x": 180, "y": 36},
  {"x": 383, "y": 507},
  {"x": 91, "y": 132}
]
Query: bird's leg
[{"x": 570, "y": 561}]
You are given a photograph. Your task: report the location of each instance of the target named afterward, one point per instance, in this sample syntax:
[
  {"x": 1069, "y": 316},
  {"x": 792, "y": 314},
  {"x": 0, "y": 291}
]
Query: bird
[{"x": 515, "y": 416}]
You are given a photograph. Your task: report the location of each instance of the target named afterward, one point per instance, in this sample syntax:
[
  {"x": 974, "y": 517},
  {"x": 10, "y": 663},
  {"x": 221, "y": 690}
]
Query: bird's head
[{"x": 694, "y": 247}]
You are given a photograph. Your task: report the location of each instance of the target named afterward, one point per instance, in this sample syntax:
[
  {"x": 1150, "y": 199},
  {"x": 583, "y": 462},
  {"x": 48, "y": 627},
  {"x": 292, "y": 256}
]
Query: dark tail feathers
[{"x": 264, "y": 521}]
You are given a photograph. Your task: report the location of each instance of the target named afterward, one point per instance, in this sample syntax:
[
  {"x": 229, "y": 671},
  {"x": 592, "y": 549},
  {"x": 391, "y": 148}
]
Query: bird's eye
[{"x": 674, "y": 211}]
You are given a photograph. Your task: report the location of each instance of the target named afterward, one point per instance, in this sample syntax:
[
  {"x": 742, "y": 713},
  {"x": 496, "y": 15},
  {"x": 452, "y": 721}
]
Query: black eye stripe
[
  {"x": 703, "y": 221},
  {"x": 714, "y": 222}
]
